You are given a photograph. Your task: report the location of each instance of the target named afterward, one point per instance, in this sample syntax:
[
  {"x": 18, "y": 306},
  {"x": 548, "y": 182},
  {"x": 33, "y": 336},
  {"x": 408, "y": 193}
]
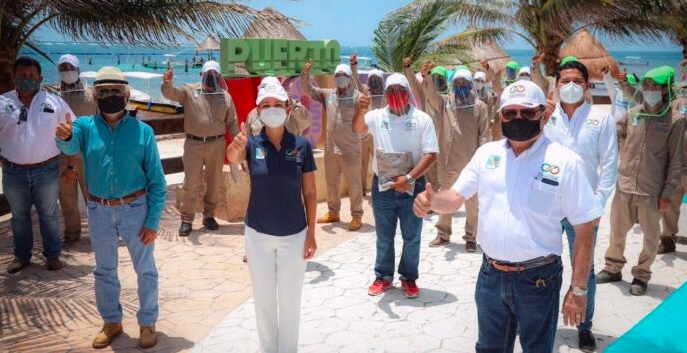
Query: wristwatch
[
  {"x": 578, "y": 291},
  {"x": 71, "y": 167},
  {"x": 410, "y": 178}
]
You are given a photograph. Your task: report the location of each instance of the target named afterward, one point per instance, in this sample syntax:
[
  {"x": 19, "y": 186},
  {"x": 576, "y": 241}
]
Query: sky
[{"x": 352, "y": 22}]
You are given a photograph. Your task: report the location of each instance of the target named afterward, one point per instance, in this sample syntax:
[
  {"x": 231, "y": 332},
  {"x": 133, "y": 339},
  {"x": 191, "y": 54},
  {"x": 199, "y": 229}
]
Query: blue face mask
[
  {"x": 27, "y": 84},
  {"x": 462, "y": 92}
]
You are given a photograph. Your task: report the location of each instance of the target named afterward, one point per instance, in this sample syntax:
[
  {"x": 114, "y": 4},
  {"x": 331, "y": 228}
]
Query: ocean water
[{"x": 129, "y": 58}]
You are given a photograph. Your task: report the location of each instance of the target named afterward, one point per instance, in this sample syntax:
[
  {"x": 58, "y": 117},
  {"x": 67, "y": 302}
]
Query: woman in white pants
[{"x": 280, "y": 226}]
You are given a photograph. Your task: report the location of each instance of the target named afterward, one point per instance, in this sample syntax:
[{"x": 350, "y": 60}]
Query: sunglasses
[
  {"x": 23, "y": 115},
  {"x": 527, "y": 114},
  {"x": 106, "y": 92}
]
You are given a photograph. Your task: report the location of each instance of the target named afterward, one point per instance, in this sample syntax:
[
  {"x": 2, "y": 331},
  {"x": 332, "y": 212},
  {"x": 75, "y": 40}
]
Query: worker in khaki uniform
[
  {"x": 649, "y": 172},
  {"x": 375, "y": 90},
  {"x": 298, "y": 120},
  {"x": 415, "y": 82},
  {"x": 493, "y": 77},
  {"x": 463, "y": 127},
  {"x": 671, "y": 215},
  {"x": 80, "y": 99},
  {"x": 208, "y": 112},
  {"x": 342, "y": 149}
]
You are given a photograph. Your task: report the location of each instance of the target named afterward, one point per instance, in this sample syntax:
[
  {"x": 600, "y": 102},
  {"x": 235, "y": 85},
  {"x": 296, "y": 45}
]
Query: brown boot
[
  {"x": 107, "y": 334},
  {"x": 438, "y": 241},
  {"x": 667, "y": 245},
  {"x": 329, "y": 217},
  {"x": 355, "y": 224},
  {"x": 148, "y": 337}
]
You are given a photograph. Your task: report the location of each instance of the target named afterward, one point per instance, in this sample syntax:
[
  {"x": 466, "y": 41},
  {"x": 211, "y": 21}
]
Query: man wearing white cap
[
  {"x": 525, "y": 74},
  {"x": 490, "y": 98},
  {"x": 526, "y": 185},
  {"x": 399, "y": 130},
  {"x": 297, "y": 122},
  {"x": 127, "y": 191},
  {"x": 73, "y": 90},
  {"x": 28, "y": 117},
  {"x": 343, "y": 147},
  {"x": 209, "y": 112},
  {"x": 463, "y": 127}
]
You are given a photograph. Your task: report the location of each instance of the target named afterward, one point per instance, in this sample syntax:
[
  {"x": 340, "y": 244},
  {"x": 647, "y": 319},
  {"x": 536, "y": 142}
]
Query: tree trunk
[
  {"x": 7, "y": 58},
  {"x": 551, "y": 51}
]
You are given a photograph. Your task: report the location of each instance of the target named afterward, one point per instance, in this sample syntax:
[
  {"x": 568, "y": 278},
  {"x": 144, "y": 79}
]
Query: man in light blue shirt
[{"x": 127, "y": 191}]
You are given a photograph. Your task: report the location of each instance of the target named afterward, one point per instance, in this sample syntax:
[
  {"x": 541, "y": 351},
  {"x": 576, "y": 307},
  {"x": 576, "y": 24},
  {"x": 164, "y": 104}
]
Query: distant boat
[
  {"x": 364, "y": 62},
  {"x": 633, "y": 60}
]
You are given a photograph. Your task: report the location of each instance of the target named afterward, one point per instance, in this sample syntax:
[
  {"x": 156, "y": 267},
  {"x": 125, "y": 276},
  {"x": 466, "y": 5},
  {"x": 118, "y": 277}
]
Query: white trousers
[{"x": 277, "y": 270}]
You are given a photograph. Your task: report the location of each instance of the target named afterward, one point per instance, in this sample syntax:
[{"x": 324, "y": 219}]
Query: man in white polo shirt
[
  {"x": 405, "y": 147},
  {"x": 526, "y": 184},
  {"x": 592, "y": 136}
]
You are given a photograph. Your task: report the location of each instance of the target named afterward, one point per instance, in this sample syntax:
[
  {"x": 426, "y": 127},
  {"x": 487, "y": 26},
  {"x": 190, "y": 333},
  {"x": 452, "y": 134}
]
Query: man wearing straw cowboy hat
[
  {"x": 127, "y": 192},
  {"x": 80, "y": 99},
  {"x": 208, "y": 112}
]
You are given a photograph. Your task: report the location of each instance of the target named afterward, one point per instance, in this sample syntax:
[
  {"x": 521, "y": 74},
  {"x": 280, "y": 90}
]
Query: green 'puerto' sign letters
[{"x": 281, "y": 57}]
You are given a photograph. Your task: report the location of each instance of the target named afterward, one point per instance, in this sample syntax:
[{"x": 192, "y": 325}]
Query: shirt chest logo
[
  {"x": 260, "y": 152},
  {"x": 293, "y": 155},
  {"x": 548, "y": 168},
  {"x": 493, "y": 161},
  {"x": 47, "y": 108}
]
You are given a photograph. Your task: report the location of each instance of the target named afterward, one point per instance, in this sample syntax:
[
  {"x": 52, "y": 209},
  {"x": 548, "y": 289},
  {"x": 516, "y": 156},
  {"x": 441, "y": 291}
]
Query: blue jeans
[
  {"x": 108, "y": 224},
  {"x": 389, "y": 207},
  {"x": 40, "y": 187},
  {"x": 591, "y": 280},
  {"x": 508, "y": 299}
]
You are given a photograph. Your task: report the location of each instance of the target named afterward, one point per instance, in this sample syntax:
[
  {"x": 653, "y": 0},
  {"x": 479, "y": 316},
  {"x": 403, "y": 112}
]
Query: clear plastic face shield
[
  {"x": 375, "y": 85},
  {"x": 399, "y": 99},
  {"x": 654, "y": 97},
  {"x": 440, "y": 83},
  {"x": 464, "y": 93},
  {"x": 511, "y": 75},
  {"x": 681, "y": 98},
  {"x": 212, "y": 83},
  {"x": 480, "y": 83}
]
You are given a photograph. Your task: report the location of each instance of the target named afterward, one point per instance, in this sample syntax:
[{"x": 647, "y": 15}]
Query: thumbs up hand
[
  {"x": 168, "y": 76},
  {"x": 64, "y": 129},
  {"x": 423, "y": 201},
  {"x": 241, "y": 139}
]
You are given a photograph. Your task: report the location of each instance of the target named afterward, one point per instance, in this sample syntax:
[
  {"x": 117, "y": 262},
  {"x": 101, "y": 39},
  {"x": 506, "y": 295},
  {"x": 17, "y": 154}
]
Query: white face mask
[
  {"x": 342, "y": 81},
  {"x": 571, "y": 93},
  {"x": 479, "y": 85},
  {"x": 273, "y": 117},
  {"x": 69, "y": 77},
  {"x": 652, "y": 98}
]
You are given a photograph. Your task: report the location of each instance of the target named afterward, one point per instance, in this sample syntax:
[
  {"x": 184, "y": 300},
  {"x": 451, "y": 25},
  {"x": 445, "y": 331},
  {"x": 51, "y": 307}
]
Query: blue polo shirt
[{"x": 275, "y": 205}]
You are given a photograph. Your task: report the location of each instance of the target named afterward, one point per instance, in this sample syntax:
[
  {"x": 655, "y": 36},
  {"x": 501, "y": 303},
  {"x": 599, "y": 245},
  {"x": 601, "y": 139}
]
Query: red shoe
[
  {"x": 410, "y": 288},
  {"x": 379, "y": 286}
]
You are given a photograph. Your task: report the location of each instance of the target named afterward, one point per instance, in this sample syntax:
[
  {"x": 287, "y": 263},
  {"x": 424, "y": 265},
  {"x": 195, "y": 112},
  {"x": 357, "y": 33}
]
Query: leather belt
[
  {"x": 505, "y": 266},
  {"x": 119, "y": 201},
  {"x": 204, "y": 139},
  {"x": 28, "y": 166}
]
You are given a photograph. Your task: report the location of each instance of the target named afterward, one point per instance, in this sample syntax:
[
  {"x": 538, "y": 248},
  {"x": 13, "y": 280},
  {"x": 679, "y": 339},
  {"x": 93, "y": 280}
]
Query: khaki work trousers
[
  {"x": 368, "y": 149},
  {"x": 444, "y": 229},
  {"x": 349, "y": 166},
  {"x": 69, "y": 198},
  {"x": 671, "y": 216},
  {"x": 625, "y": 210},
  {"x": 199, "y": 154}
]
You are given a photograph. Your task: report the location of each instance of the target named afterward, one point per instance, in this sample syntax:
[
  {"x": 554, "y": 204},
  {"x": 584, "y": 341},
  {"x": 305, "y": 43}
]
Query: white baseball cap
[
  {"x": 68, "y": 59},
  {"x": 376, "y": 72},
  {"x": 396, "y": 79},
  {"x": 343, "y": 68},
  {"x": 523, "y": 93},
  {"x": 524, "y": 70},
  {"x": 211, "y": 65},
  {"x": 271, "y": 90},
  {"x": 464, "y": 74},
  {"x": 270, "y": 80},
  {"x": 480, "y": 75}
]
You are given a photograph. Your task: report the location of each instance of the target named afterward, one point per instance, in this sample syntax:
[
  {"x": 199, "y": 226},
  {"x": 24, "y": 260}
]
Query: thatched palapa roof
[
  {"x": 591, "y": 53},
  {"x": 264, "y": 26},
  {"x": 473, "y": 53},
  {"x": 209, "y": 43}
]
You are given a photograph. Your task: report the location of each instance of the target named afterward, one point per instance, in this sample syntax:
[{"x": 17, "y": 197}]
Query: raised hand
[
  {"x": 537, "y": 58},
  {"x": 353, "y": 59},
  {"x": 241, "y": 139},
  {"x": 364, "y": 101},
  {"x": 64, "y": 128},
  {"x": 168, "y": 76},
  {"x": 306, "y": 68},
  {"x": 407, "y": 61},
  {"x": 485, "y": 63},
  {"x": 423, "y": 201}
]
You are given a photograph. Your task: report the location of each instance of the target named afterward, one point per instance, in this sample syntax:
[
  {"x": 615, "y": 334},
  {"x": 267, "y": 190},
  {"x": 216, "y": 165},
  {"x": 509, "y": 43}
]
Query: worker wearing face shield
[{"x": 463, "y": 127}]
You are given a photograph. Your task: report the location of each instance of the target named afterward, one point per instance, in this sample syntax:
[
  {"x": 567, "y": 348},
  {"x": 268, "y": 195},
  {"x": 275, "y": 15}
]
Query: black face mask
[
  {"x": 111, "y": 105},
  {"x": 521, "y": 129}
]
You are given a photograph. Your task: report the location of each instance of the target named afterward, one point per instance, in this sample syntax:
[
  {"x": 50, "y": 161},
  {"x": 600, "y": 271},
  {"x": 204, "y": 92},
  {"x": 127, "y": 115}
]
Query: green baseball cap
[
  {"x": 568, "y": 59},
  {"x": 662, "y": 75},
  {"x": 440, "y": 70},
  {"x": 513, "y": 65}
]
